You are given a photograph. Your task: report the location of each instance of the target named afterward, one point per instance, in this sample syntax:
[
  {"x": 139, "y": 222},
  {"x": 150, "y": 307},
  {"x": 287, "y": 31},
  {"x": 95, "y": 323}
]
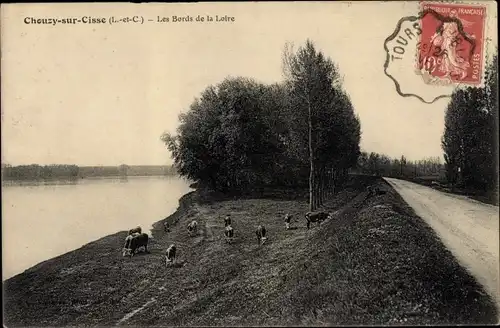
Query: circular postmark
[{"x": 442, "y": 48}]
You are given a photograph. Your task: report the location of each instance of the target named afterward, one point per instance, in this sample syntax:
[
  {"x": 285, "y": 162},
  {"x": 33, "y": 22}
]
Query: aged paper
[{"x": 91, "y": 95}]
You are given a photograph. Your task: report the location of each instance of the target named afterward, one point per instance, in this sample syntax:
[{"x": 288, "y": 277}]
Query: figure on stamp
[{"x": 447, "y": 39}]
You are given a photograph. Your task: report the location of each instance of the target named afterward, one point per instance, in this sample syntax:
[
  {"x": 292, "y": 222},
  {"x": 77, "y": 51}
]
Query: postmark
[
  {"x": 431, "y": 54},
  {"x": 451, "y": 47}
]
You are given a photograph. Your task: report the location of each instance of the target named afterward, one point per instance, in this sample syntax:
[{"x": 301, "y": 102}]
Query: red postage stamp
[{"x": 451, "y": 47}]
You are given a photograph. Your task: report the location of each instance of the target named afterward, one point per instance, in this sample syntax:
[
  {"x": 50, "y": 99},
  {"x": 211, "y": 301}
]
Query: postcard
[{"x": 250, "y": 163}]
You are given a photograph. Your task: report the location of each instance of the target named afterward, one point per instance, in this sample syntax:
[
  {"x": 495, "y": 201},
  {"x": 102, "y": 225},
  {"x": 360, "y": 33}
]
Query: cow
[
  {"x": 288, "y": 218},
  {"x": 133, "y": 242},
  {"x": 316, "y": 217},
  {"x": 261, "y": 234},
  {"x": 170, "y": 254},
  {"x": 227, "y": 220},
  {"x": 374, "y": 191},
  {"x": 135, "y": 230},
  {"x": 192, "y": 227},
  {"x": 229, "y": 233}
]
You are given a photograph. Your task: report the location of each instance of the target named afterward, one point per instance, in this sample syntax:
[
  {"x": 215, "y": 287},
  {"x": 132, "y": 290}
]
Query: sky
[{"x": 103, "y": 94}]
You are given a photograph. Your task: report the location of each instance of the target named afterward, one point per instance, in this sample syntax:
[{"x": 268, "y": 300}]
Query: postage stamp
[
  {"x": 451, "y": 46},
  {"x": 443, "y": 47}
]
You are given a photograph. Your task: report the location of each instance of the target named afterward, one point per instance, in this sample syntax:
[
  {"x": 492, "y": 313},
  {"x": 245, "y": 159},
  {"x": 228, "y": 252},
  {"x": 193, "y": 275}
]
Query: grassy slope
[{"x": 374, "y": 263}]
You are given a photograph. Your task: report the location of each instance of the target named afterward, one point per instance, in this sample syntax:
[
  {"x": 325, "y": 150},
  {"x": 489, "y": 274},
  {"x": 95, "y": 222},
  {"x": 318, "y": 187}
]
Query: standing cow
[
  {"x": 374, "y": 191},
  {"x": 170, "y": 254},
  {"x": 316, "y": 217},
  {"x": 133, "y": 242},
  {"x": 261, "y": 234},
  {"x": 227, "y": 220},
  {"x": 229, "y": 234},
  {"x": 288, "y": 218},
  {"x": 192, "y": 228}
]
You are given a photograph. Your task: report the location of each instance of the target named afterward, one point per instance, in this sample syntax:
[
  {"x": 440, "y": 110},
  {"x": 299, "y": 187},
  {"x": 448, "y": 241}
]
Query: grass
[{"x": 375, "y": 262}]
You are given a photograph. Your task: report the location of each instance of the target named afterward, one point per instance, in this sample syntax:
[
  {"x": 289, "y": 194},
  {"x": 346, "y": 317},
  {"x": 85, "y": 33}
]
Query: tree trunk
[
  {"x": 316, "y": 182},
  {"x": 333, "y": 181},
  {"x": 311, "y": 162},
  {"x": 318, "y": 178},
  {"x": 330, "y": 182},
  {"x": 318, "y": 185},
  {"x": 324, "y": 182},
  {"x": 321, "y": 188}
]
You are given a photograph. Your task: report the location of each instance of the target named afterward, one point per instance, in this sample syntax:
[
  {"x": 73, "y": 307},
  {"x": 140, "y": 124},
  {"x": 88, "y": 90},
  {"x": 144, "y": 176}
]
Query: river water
[{"x": 41, "y": 221}]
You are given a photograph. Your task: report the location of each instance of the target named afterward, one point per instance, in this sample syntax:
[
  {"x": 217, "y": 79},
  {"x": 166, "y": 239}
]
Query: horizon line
[{"x": 87, "y": 165}]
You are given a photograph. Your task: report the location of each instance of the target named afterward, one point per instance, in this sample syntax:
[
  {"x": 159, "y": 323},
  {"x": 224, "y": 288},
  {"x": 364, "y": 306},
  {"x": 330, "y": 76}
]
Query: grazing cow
[
  {"x": 135, "y": 230},
  {"x": 288, "y": 218},
  {"x": 316, "y": 217},
  {"x": 133, "y": 242},
  {"x": 229, "y": 233},
  {"x": 261, "y": 234},
  {"x": 374, "y": 191},
  {"x": 227, "y": 220},
  {"x": 192, "y": 227},
  {"x": 170, "y": 254}
]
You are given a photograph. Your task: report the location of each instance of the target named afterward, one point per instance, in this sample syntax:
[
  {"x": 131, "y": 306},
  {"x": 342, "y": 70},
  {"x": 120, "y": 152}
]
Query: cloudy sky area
[{"x": 104, "y": 94}]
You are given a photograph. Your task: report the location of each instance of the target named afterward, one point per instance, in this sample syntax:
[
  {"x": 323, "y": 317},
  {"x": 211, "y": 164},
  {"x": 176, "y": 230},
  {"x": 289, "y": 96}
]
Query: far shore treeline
[{"x": 57, "y": 171}]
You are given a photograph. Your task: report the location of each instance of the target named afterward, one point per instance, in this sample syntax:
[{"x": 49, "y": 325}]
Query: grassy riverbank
[{"x": 375, "y": 262}]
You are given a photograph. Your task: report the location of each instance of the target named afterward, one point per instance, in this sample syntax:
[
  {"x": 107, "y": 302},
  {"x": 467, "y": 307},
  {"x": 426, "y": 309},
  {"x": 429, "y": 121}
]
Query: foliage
[
  {"x": 241, "y": 134},
  {"x": 469, "y": 141},
  {"x": 35, "y": 172},
  {"x": 48, "y": 172},
  {"x": 232, "y": 137},
  {"x": 382, "y": 165}
]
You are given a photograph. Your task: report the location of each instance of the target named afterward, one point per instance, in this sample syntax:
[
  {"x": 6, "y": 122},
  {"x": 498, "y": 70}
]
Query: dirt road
[{"x": 467, "y": 227}]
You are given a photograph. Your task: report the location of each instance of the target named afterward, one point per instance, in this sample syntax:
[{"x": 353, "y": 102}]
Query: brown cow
[
  {"x": 192, "y": 228},
  {"x": 227, "y": 220},
  {"x": 316, "y": 217},
  {"x": 288, "y": 218},
  {"x": 229, "y": 233},
  {"x": 261, "y": 234},
  {"x": 133, "y": 242},
  {"x": 166, "y": 226},
  {"x": 170, "y": 254}
]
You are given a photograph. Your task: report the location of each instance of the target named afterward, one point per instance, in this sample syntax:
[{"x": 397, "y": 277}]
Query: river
[{"x": 41, "y": 221}]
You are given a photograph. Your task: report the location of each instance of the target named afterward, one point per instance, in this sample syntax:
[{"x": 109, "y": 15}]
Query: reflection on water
[{"x": 41, "y": 220}]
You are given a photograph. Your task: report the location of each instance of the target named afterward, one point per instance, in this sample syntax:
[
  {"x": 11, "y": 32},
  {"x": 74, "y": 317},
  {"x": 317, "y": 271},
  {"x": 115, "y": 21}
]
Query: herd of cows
[{"x": 136, "y": 239}]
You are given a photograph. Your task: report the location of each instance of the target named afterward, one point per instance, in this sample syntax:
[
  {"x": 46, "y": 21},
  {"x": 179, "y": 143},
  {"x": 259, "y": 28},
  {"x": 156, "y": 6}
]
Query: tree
[
  {"x": 123, "y": 169},
  {"x": 230, "y": 139},
  {"x": 322, "y": 123},
  {"x": 241, "y": 134},
  {"x": 469, "y": 140}
]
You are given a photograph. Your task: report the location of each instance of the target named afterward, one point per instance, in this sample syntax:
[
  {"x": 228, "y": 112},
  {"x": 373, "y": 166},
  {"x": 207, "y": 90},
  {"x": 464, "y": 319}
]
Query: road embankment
[
  {"x": 468, "y": 228},
  {"x": 375, "y": 262}
]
